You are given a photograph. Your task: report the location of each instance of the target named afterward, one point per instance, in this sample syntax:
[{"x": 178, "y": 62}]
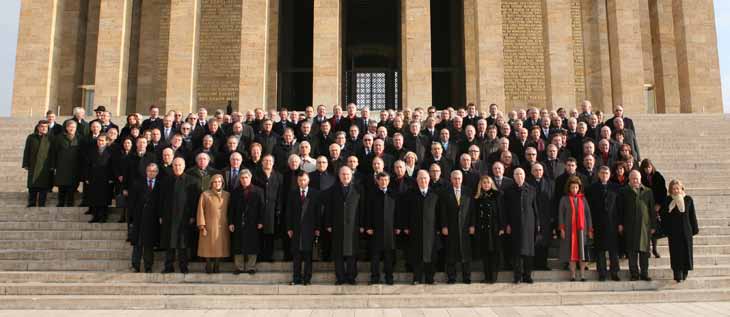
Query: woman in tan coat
[{"x": 214, "y": 242}]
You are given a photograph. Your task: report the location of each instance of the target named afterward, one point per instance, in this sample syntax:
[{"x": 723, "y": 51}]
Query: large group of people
[{"x": 425, "y": 188}]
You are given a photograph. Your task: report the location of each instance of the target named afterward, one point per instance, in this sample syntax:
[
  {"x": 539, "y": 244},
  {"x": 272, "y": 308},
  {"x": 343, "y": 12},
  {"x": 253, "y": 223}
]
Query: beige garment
[{"x": 213, "y": 214}]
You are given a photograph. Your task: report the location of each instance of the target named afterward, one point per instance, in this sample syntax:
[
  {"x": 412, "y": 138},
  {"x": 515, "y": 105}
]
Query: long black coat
[
  {"x": 380, "y": 216},
  {"x": 273, "y": 190},
  {"x": 487, "y": 211},
  {"x": 144, "y": 212},
  {"x": 245, "y": 213},
  {"x": 344, "y": 215},
  {"x": 423, "y": 224},
  {"x": 98, "y": 173},
  {"x": 303, "y": 218},
  {"x": 458, "y": 218},
  {"x": 680, "y": 227},
  {"x": 35, "y": 160},
  {"x": 136, "y": 166},
  {"x": 631, "y": 217},
  {"x": 521, "y": 214},
  {"x": 65, "y": 158},
  {"x": 604, "y": 214},
  {"x": 545, "y": 191},
  {"x": 179, "y": 204}
]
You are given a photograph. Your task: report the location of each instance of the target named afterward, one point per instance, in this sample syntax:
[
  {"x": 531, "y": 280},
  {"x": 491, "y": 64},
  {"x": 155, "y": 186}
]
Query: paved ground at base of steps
[{"x": 659, "y": 309}]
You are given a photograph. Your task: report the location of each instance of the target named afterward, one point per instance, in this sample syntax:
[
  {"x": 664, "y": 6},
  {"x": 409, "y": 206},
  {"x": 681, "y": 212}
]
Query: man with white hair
[
  {"x": 180, "y": 193},
  {"x": 421, "y": 227},
  {"x": 342, "y": 218},
  {"x": 637, "y": 224},
  {"x": 521, "y": 224},
  {"x": 457, "y": 225}
]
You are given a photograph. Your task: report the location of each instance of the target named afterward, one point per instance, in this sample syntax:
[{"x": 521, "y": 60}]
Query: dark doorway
[
  {"x": 447, "y": 53},
  {"x": 295, "y": 53},
  {"x": 371, "y": 53}
]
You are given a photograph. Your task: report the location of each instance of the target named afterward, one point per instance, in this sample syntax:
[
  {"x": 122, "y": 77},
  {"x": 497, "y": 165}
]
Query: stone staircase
[{"x": 50, "y": 258}]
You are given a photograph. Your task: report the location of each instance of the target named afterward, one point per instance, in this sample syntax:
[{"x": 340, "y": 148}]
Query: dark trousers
[
  {"x": 387, "y": 257},
  {"x": 37, "y": 197},
  {"x": 451, "y": 271},
  {"x": 66, "y": 196},
  {"x": 601, "y": 262},
  {"x": 99, "y": 213},
  {"x": 182, "y": 258},
  {"x": 266, "y": 249},
  {"x": 638, "y": 259},
  {"x": 541, "y": 257},
  {"x": 423, "y": 270},
  {"x": 507, "y": 256},
  {"x": 345, "y": 268},
  {"x": 490, "y": 263},
  {"x": 299, "y": 258},
  {"x": 326, "y": 246},
  {"x": 522, "y": 267},
  {"x": 143, "y": 253}
]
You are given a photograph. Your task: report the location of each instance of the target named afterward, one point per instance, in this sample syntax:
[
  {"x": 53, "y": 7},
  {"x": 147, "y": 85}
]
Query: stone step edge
[{"x": 355, "y": 301}]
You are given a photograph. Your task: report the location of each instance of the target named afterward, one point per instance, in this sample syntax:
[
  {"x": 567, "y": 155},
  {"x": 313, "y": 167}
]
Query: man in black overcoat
[
  {"x": 422, "y": 229},
  {"x": 343, "y": 218},
  {"x": 180, "y": 194},
  {"x": 545, "y": 190},
  {"x": 380, "y": 225},
  {"x": 457, "y": 225},
  {"x": 602, "y": 197},
  {"x": 303, "y": 223},
  {"x": 143, "y": 220},
  {"x": 272, "y": 184},
  {"x": 522, "y": 224},
  {"x": 245, "y": 221}
]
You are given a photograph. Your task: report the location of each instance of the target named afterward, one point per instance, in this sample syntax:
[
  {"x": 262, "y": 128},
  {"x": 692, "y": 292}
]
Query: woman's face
[
  {"x": 217, "y": 183},
  {"x": 620, "y": 171},
  {"x": 485, "y": 184},
  {"x": 675, "y": 189},
  {"x": 574, "y": 188},
  {"x": 127, "y": 145}
]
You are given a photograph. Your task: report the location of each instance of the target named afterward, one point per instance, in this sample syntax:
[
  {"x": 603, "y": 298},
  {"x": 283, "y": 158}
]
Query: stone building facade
[{"x": 649, "y": 55}]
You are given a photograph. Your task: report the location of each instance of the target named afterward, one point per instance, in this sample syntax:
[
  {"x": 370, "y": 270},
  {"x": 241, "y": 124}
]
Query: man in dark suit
[
  {"x": 154, "y": 120},
  {"x": 553, "y": 166},
  {"x": 602, "y": 197},
  {"x": 522, "y": 225},
  {"x": 272, "y": 184},
  {"x": 421, "y": 227},
  {"x": 144, "y": 212},
  {"x": 438, "y": 158},
  {"x": 343, "y": 218},
  {"x": 380, "y": 226},
  {"x": 284, "y": 122},
  {"x": 231, "y": 173},
  {"x": 618, "y": 112},
  {"x": 545, "y": 191},
  {"x": 500, "y": 181},
  {"x": 457, "y": 225},
  {"x": 303, "y": 210},
  {"x": 321, "y": 178}
]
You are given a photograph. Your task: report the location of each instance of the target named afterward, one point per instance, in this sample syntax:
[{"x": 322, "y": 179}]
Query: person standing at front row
[
  {"x": 343, "y": 214},
  {"x": 521, "y": 223},
  {"x": 380, "y": 227},
  {"x": 180, "y": 193},
  {"x": 422, "y": 229},
  {"x": 574, "y": 220},
  {"x": 212, "y": 221},
  {"x": 245, "y": 221},
  {"x": 303, "y": 209},
  {"x": 680, "y": 221},
  {"x": 637, "y": 224}
]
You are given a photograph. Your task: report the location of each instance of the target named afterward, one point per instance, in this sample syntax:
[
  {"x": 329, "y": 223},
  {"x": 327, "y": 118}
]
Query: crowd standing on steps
[{"x": 420, "y": 189}]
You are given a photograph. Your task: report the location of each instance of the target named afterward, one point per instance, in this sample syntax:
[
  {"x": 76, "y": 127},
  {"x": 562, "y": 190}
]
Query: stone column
[
  {"x": 112, "y": 55},
  {"x": 37, "y": 55},
  {"x": 182, "y": 60},
  {"x": 597, "y": 57},
  {"x": 490, "y": 59},
  {"x": 665, "y": 57},
  {"x": 327, "y": 52},
  {"x": 471, "y": 54},
  {"x": 559, "y": 64},
  {"x": 697, "y": 57},
  {"x": 255, "y": 54},
  {"x": 627, "y": 69},
  {"x": 417, "y": 76}
]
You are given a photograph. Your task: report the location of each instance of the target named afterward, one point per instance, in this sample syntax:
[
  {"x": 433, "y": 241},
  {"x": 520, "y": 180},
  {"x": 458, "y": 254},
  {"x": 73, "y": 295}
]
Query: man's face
[
  {"x": 456, "y": 180},
  {"x": 444, "y": 135},
  {"x": 101, "y": 142},
  {"x": 635, "y": 179},
  {"x": 334, "y": 151},
  {"x": 154, "y": 112},
  {"x": 267, "y": 162},
  {"x": 465, "y": 162},
  {"x": 245, "y": 180},
  {"x": 435, "y": 172},
  {"x": 352, "y": 162},
  {"x": 383, "y": 182},
  {"x": 178, "y": 167},
  {"x": 345, "y": 176},
  {"x": 570, "y": 167},
  {"x": 537, "y": 171},
  {"x": 232, "y": 144},
  {"x": 303, "y": 181},
  {"x": 322, "y": 164},
  {"x": 552, "y": 152},
  {"x": 604, "y": 175},
  {"x": 202, "y": 161},
  {"x": 436, "y": 150},
  {"x": 236, "y": 161},
  {"x": 498, "y": 170},
  {"x": 156, "y": 135},
  {"x": 267, "y": 126},
  {"x": 167, "y": 156},
  {"x": 519, "y": 176}
]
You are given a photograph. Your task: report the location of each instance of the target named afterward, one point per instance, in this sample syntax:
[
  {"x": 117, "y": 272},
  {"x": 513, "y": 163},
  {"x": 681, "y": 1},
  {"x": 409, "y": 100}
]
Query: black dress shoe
[
  {"x": 451, "y": 281},
  {"x": 135, "y": 268},
  {"x": 339, "y": 282},
  {"x": 306, "y": 283},
  {"x": 615, "y": 278},
  {"x": 467, "y": 281},
  {"x": 634, "y": 278},
  {"x": 352, "y": 282},
  {"x": 237, "y": 272},
  {"x": 528, "y": 280},
  {"x": 168, "y": 270},
  {"x": 148, "y": 269},
  {"x": 373, "y": 282},
  {"x": 601, "y": 278},
  {"x": 295, "y": 283},
  {"x": 646, "y": 278},
  {"x": 517, "y": 281},
  {"x": 184, "y": 270},
  {"x": 389, "y": 282},
  {"x": 251, "y": 272}
]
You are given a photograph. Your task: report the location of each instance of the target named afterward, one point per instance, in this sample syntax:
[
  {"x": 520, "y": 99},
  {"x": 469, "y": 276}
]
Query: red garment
[{"x": 578, "y": 220}]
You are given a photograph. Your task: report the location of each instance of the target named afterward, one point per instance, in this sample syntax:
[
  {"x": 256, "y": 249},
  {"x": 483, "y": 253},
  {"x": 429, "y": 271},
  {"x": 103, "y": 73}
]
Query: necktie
[
  {"x": 499, "y": 182},
  {"x": 457, "y": 193},
  {"x": 150, "y": 185},
  {"x": 424, "y": 193},
  {"x": 301, "y": 196}
]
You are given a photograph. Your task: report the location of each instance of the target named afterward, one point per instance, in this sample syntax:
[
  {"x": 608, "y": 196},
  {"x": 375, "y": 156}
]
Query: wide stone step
[
  {"x": 115, "y": 302},
  {"x": 63, "y": 235},
  {"x": 60, "y": 226},
  {"x": 118, "y": 244}
]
